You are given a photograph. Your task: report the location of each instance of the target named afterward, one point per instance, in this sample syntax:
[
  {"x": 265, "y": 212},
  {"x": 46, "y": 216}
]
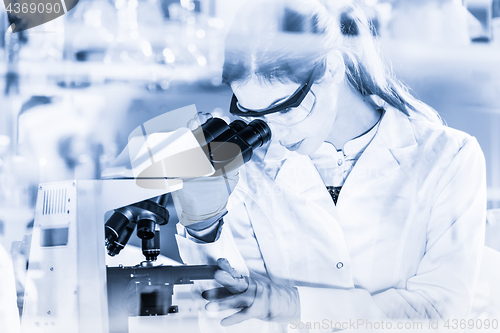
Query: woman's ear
[{"x": 335, "y": 66}]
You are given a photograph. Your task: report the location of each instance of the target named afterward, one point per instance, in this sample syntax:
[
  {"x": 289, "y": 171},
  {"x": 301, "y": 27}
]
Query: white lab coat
[{"x": 404, "y": 241}]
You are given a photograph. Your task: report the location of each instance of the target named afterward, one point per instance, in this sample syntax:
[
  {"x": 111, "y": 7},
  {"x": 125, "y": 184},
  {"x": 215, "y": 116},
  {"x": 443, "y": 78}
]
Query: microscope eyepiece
[
  {"x": 229, "y": 146},
  {"x": 237, "y": 125},
  {"x": 256, "y": 134},
  {"x": 212, "y": 128}
]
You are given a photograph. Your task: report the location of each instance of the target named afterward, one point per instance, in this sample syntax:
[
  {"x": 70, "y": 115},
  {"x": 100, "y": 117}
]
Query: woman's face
[{"x": 306, "y": 136}]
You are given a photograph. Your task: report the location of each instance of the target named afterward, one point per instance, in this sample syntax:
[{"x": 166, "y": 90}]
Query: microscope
[{"x": 71, "y": 289}]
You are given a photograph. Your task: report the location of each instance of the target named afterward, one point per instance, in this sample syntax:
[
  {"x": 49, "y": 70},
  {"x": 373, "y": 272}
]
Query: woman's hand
[
  {"x": 256, "y": 299},
  {"x": 203, "y": 198}
]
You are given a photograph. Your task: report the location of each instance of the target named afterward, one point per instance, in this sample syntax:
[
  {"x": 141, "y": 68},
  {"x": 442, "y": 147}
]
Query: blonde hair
[{"x": 285, "y": 40}]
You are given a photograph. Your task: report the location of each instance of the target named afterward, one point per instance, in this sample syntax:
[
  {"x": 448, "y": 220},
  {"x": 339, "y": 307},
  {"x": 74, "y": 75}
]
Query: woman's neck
[{"x": 356, "y": 114}]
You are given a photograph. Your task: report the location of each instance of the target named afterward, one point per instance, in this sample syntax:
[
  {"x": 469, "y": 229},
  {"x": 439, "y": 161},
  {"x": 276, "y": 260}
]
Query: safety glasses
[{"x": 293, "y": 110}]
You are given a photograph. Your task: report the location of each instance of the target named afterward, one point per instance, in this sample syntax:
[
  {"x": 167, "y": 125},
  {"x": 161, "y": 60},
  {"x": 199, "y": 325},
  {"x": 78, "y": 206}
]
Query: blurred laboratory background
[{"x": 73, "y": 89}]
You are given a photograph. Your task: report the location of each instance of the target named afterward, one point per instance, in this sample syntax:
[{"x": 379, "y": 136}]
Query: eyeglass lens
[{"x": 292, "y": 116}]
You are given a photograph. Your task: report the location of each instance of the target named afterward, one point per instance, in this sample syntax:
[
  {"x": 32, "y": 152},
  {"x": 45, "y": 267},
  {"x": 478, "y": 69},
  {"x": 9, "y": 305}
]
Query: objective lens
[
  {"x": 146, "y": 226},
  {"x": 151, "y": 247},
  {"x": 117, "y": 245},
  {"x": 117, "y": 223}
]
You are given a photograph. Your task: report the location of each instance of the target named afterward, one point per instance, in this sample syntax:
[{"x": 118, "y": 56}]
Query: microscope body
[
  {"x": 66, "y": 289},
  {"x": 69, "y": 288}
]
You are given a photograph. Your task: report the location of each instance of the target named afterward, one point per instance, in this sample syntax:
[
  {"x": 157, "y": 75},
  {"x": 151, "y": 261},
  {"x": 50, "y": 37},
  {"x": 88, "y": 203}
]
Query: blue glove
[{"x": 256, "y": 299}]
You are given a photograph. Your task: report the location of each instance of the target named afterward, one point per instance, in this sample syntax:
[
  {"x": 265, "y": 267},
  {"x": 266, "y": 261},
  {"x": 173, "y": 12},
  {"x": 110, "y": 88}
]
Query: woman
[{"x": 364, "y": 207}]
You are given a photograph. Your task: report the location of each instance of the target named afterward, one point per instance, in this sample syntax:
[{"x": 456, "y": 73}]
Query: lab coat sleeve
[
  {"x": 245, "y": 257},
  {"x": 446, "y": 277}
]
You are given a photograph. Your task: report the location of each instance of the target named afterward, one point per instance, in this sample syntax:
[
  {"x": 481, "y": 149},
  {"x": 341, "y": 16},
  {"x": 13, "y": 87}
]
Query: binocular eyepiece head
[
  {"x": 257, "y": 133},
  {"x": 230, "y": 146}
]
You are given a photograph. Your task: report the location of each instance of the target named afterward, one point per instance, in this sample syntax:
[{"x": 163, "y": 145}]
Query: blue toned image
[{"x": 225, "y": 166}]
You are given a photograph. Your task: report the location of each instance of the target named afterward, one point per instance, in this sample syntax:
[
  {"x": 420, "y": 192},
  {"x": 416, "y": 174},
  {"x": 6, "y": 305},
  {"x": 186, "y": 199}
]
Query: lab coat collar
[
  {"x": 396, "y": 129},
  {"x": 383, "y": 156}
]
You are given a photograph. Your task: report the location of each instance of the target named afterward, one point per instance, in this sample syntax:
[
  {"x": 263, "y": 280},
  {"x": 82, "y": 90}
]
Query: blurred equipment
[
  {"x": 434, "y": 22},
  {"x": 482, "y": 10},
  {"x": 9, "y": 316}
]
